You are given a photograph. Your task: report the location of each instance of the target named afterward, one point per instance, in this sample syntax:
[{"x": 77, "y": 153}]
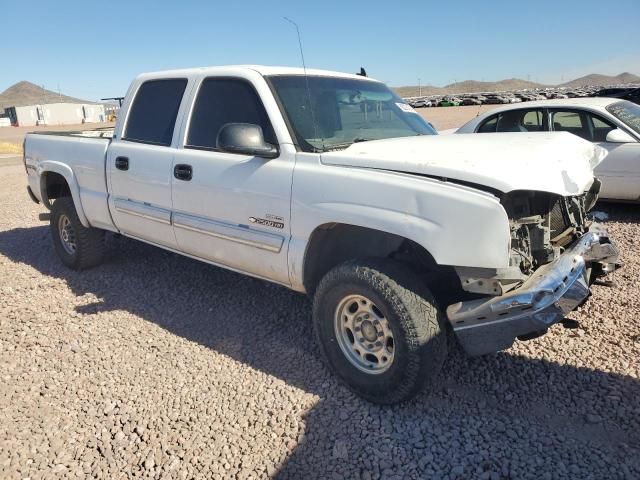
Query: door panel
[
  {"x": 620, "y": 171},
  {"x": 235, "y": 210},
  {"x": 139, "y": 162},
  {"x": 232, "y": 209},
  {"x": 225, "y": 231},
  {"x": 140, "y": 200}
]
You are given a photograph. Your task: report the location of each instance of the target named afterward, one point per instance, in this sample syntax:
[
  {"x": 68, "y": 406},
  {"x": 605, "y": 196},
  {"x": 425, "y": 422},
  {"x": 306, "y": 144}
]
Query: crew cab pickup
[{"x": 330, "y": 184}]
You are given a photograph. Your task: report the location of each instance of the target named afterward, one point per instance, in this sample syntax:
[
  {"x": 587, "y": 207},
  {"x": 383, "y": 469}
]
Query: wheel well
[
  {"x": 55, "y": 186},
  {"x": 335, "y": 243}
]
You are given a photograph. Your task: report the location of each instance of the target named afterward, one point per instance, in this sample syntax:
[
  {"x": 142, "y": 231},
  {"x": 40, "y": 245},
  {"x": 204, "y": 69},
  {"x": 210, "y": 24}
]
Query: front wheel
[
  {"x": 380, "y": 329},
  {"x": 77, "y": 246}
]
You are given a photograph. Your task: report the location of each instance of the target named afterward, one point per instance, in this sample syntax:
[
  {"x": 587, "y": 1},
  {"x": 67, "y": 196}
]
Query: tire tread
[
  {"x": 90, "y": 246},
  {"x": 417, "y": 311}
]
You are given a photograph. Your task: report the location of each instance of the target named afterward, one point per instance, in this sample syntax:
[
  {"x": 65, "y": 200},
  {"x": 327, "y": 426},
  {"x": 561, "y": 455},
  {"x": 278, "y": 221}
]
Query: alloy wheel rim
[
  {"x": 67, "y": 234},
  {"x": 364, "y": 334}
]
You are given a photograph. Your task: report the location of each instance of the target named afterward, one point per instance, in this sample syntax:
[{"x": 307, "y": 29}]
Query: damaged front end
[
  {"x": 556, "y": 252},
  {"x": 543, "y": 224}
]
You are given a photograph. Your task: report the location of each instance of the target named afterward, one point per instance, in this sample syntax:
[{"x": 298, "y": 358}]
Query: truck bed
[{"x": 80, "y": 157}]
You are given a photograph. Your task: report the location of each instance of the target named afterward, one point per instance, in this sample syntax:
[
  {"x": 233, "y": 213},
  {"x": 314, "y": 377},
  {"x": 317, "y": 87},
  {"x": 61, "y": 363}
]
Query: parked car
[
  {"x": 449, "y": 102},
  {"x": 356, "y": 202},
  {"x": 421, "y": 103},
  {"x": 611, "y": 123},
  {"x": 471, "y": 101},
  {"x": 496, "y": 99},
  {"x": 630, "y": 94}
]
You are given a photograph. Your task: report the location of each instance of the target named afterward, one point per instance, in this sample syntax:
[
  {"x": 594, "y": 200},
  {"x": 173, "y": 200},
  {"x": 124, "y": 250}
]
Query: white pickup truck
[{"x": 330, "y": 184}]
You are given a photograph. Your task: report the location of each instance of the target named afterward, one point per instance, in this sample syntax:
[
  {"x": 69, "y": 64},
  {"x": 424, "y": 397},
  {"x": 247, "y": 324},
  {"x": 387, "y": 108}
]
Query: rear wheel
[
  {"x": 77, "y": 246},
  {"x": 380, "y": 329}
]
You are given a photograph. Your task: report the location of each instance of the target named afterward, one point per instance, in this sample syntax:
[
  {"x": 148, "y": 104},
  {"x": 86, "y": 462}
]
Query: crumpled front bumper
[{"x": 491, "y": 324}]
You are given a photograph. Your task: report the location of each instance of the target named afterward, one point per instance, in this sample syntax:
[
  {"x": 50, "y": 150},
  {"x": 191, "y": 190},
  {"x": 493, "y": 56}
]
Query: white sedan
[{"x": 612, "y": 123}]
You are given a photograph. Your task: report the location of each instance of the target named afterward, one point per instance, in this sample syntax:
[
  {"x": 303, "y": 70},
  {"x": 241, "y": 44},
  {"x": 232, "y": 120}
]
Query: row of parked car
[{"x": 631, "y": 93}]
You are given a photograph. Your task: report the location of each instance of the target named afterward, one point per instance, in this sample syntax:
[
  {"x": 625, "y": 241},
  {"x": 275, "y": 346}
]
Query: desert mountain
[
  {"x": 597, "y": 79},
  {"x": 471, "y": 86},
  {"x": 26, "y": 93}
]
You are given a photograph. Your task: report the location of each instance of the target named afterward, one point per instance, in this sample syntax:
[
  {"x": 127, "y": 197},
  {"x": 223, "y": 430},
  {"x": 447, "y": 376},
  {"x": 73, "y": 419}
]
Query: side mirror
[
  {"x": 619, "y": 136},
  {"x": 246, "y": 139}
]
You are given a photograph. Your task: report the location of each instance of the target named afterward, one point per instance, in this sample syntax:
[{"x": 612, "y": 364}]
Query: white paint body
[
  {"x": 394, "y": 186},
  {"x": 620, "y": 172}
]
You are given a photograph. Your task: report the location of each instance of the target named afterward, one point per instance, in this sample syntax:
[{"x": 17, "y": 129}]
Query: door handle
[
  {"x": 122, "y": 163},
  {"x": 183, "y": 172}
]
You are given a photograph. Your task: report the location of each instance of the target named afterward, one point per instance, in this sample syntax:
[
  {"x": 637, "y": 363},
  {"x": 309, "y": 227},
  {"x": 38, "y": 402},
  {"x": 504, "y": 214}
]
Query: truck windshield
[{"x": 334, "y": 113}]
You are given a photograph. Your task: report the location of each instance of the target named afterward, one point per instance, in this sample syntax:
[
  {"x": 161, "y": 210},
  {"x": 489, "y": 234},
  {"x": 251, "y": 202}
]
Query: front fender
[
  {"x": 66, "y": 171},
  {"x": 457, "y": 225}
]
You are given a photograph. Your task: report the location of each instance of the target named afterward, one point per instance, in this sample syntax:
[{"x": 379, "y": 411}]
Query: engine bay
[{"x": 543, "y": 224}]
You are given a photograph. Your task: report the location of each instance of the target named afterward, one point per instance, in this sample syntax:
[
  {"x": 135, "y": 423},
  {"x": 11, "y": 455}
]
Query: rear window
[{"x": 154, "y": 111}]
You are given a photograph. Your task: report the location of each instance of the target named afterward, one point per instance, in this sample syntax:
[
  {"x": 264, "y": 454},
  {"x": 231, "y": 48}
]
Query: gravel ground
[{"x": 157, "y": 366}]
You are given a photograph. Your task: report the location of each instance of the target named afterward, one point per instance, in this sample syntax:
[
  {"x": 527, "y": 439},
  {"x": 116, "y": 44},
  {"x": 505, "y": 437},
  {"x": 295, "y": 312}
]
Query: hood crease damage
[{"x": 559, "y": 163}]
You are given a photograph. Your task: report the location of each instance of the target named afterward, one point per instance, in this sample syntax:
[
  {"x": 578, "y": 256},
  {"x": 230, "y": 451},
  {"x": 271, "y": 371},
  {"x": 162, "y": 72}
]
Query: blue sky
[{"x": 93, "y": 49}]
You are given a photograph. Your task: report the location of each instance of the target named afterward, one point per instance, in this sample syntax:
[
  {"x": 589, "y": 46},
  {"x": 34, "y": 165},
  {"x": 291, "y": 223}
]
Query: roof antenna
[
  {"x": 363, "y": 72},
  {"x": 306, "y": 79}
]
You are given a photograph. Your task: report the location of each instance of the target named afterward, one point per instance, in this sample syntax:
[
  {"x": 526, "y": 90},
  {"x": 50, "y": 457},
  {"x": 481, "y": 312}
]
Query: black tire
[
  {"x": 419, "y": 331},
  {"x": 89, "y": 242}
]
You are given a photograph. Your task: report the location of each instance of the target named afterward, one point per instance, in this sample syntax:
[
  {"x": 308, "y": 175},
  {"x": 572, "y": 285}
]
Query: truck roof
[{"x": 262, "y": 69}]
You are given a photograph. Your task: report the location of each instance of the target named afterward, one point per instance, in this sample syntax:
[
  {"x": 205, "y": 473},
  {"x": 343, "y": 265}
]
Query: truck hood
[{"x": 559, "y": 163}]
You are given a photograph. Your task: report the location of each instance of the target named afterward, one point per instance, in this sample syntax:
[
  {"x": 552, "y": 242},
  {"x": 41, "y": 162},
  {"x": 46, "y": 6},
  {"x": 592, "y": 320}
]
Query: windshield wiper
[{"x": 342, "y": 146}]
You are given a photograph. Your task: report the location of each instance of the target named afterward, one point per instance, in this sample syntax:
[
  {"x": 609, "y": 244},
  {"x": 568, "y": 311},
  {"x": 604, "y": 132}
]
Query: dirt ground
[{"x": 444, "y": 118}]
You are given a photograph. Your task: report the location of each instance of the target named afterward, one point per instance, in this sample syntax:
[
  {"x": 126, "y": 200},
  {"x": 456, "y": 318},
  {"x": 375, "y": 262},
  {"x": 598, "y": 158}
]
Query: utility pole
[{"x": 41, "y": 106}]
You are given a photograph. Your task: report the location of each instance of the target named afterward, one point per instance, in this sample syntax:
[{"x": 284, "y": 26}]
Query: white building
[{"x": 56, "y": 114}]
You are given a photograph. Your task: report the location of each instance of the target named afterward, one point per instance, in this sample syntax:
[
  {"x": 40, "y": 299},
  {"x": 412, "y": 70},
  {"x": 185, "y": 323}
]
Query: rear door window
[
  {"x": 520, "y": 121},
  {"x": 514, "y": 121},
  {"x": 153, "y": 114},
  {"x": 221, "y": 101}
]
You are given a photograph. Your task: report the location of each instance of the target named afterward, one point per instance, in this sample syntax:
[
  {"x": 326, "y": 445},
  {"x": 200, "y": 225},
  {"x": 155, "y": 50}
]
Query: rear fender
[{"x": 74, "y": 188}]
